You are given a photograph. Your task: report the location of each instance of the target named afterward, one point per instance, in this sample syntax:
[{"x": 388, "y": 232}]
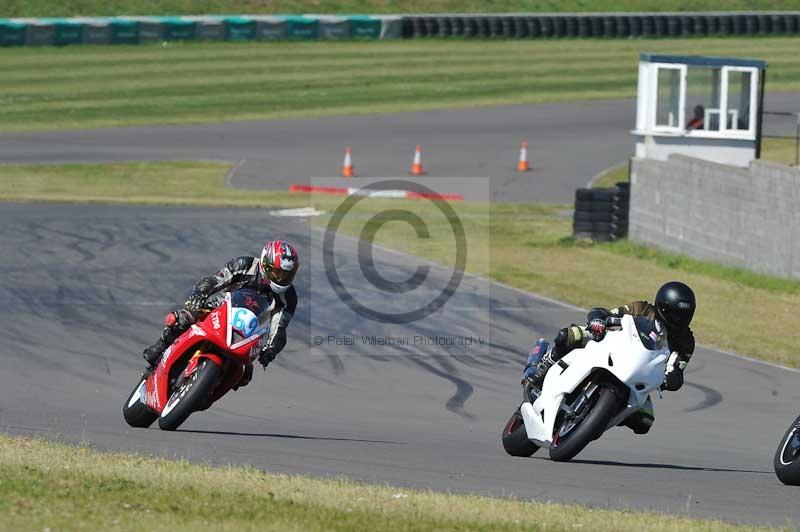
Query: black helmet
[{"x": 675, "y": 304}]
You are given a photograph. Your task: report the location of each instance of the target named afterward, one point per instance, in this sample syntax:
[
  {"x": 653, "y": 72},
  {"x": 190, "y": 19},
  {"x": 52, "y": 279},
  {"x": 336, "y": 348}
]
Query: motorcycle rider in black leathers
[
  {"x": 673, "y": 311},
  {"x": 272, "y": 275}
]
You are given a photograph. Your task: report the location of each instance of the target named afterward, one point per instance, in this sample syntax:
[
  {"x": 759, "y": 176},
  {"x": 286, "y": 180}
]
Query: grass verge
[
  {"x": 51, "y": 486},
  {"x": 531, "y": 242},
  {"x": 60, "y": 8},
  {"x": 98, "y": 86}
]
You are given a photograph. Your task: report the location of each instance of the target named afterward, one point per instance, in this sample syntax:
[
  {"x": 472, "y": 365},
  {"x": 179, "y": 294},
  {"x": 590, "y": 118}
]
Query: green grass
[
  {"x": 612, "y": 176},
  {"x": 78, "y": 87},
  {"x": 49, "y": 8},
  {"x": 531, "y": 242},
  {"x": 51, "y": 486},
  {"x": 782, "y": 151}
]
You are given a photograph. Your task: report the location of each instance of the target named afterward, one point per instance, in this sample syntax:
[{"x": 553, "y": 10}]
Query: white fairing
[
  {"x": 620, "y": 353},
  {"x": 138, "y": 395}
]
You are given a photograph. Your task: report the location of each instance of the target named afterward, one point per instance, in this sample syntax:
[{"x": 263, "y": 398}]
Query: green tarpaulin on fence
[
  {"x": 364, "y": 27},
  {"x": 333, "y": 28},
  {"x": 67, "y": 31},
  {"x": 177, "y": 28},
  {"x": 12, "y": 33},
  {"x": 302, "y": 28},
  {"x": 95, "y": 30},
  {"x": 38, "y": 32},
  {"x": 124, "y": 31},
  {"x": 270, "y": 28},
  {"x": 240, "y": 29},
  {"x": 208, "y": 28}
]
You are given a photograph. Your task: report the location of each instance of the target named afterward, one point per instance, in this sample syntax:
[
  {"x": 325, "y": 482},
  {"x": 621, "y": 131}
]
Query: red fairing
[{"x": 212, "y": 328}]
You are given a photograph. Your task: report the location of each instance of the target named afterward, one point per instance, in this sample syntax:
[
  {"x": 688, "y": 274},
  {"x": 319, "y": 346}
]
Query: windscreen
[
  {"x": 650, "y": 333},
  {"x": 250, "y": 313}
]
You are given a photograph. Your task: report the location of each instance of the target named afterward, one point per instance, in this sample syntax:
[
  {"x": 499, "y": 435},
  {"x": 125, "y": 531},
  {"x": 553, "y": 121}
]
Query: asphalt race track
[
  {"x": 84, "y": 289},
  {"x": 569, "y": 144}
]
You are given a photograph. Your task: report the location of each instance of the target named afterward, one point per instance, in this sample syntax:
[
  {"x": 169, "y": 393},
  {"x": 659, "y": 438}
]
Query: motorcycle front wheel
[
  {"x": 787, "y": 456},
  {"x": 191, "y": 395},
  {"x": 134, "y": 410},
  {"x": 569, "y": 441},
  {"x": 515, "y": 438}
]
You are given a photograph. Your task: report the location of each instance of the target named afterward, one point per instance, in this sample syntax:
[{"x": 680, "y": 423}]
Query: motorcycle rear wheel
[
  {"x": 135, "y": 412},
  {"x": 190, "y": 396},
  {"x": 589, "y": 429},
  {"x": 515, "y": 438},
  {"x": 787, "y": 456}
]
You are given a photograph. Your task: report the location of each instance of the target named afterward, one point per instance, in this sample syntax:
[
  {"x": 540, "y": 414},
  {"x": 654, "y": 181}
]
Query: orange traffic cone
[
  {"x": 347, "y": 167},
  {"x": 416, "y": 166},
  {"x": 522, "y": 165}
]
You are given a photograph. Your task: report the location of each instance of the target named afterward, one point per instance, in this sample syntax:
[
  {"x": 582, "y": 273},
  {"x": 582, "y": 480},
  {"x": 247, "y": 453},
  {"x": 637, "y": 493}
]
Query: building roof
[{"x": 699, "y": 60}]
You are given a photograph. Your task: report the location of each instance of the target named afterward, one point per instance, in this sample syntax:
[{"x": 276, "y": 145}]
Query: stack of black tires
[
  {"x": 602, "y": 213},
  {"x": 600, "y": 25}
]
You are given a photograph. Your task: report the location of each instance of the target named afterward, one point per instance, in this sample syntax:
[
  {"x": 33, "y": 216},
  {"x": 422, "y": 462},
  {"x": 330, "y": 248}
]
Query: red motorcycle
[{"x": 202, "y": 364}]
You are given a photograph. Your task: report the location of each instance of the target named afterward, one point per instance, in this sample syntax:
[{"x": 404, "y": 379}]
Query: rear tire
[
  {"x": 590, "y": 429},
  {"x": 193, "y": 395},
  {"x": 135, "y": 412},
  {"x": 787, "y": 456},
  {"x": 515, "y": 438}
]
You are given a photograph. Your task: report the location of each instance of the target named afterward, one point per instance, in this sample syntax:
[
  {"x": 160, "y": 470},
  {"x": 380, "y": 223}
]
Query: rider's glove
[
  {"x": 195, "y": 302},
  {"x": 180, "y": 319},
  {"x": 598, "y": 329},
  {"x": 673, "y": 375},
  {"x": 274, "y": 345}
]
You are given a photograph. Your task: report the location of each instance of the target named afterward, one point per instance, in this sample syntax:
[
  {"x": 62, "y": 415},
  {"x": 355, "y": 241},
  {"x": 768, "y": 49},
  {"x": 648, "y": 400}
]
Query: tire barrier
[
  {"x": 138, "y": 30},
  {"x": 602, "y": 213}
]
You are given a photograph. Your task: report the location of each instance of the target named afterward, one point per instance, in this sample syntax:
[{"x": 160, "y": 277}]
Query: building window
[
  {"x": 740, "y": 95},
  {"x": 703, "y": 97},
  {"x": 668, "y": 95}
]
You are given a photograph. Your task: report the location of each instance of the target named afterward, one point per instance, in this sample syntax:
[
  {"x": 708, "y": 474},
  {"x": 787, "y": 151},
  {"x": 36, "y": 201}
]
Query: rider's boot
[
  {"x": 534, "y": 357},
  {"x": 176, "y": 323},
  {"x": 247, "y": 376},
  {"x": 642, "y": 420},
  {"x": 565, "y": 341},
  {"x": 153, "y": 353},
  {"x": 549, "y": 358}
]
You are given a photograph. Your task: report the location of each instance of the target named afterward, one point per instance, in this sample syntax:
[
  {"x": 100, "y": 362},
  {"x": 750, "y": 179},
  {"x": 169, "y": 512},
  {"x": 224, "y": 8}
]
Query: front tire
[
  {"x": 192, "y": 395},
  {"x": 591, "y": 428},
  {"x": 515, "y": 438},
  {"x": 134, "y": 410},
  {"x": 787, "y": 456}
]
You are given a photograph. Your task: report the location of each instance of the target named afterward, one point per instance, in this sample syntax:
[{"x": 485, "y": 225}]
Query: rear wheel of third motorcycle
[
  {"x": 515, "y": 438},
  {"x": 787, "y": 456},
  {"x": 191, "y": 395},
  {"x": 590, "y": 428}
]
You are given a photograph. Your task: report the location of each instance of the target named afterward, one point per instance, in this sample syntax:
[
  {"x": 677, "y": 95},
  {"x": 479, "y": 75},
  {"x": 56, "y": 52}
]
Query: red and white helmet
[{"x": 279, "y": 263}]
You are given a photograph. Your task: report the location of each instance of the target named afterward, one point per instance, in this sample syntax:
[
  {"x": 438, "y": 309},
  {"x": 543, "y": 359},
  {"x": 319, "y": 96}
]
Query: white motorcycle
[{"x": 589, "y": 391}]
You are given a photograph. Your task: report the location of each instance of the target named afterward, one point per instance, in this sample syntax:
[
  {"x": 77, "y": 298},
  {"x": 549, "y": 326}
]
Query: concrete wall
[{"x": 747, "y": 217}]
